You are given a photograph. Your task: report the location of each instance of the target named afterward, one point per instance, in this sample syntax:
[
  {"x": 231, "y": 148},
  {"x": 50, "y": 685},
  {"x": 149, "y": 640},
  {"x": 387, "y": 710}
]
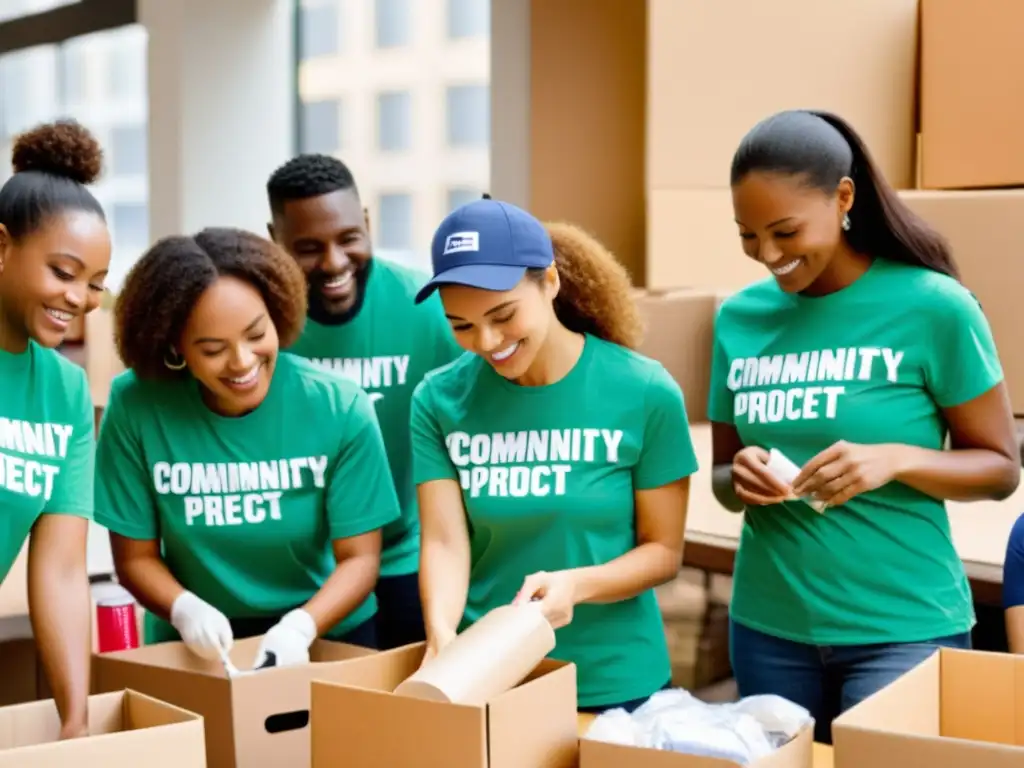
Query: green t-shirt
[
  {"x": 387, "y": 348},
  {"x": 245, "y": 508},
  {"x": 47, "y": 444},
  {"x": 548, "y": 477},
  {"x": 873, "y": 363}
]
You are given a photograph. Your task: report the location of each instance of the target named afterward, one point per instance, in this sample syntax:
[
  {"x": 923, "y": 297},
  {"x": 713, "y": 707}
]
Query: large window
[
  {"x": 469, "y": 18},
  {"x": 393, "y": 23},
  {"x": 394, "y": 121},
  {"x": 394, "y": 221},
  {"x": 319, "y": 28},
  {"x": 321, "y": 127},
  {"x": 469, "y": 115},
  {"x": 98, "y": 79}
]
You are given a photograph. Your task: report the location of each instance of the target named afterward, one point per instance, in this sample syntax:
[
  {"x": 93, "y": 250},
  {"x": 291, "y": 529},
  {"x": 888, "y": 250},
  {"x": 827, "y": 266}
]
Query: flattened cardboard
[
  {"x": 358, "y": 722},
  {"x": 253, "y": 721},
  {"x": 127, "y": 729},
  {"x": 958, "y": 708},
  {"x": 798, "y": 753}
]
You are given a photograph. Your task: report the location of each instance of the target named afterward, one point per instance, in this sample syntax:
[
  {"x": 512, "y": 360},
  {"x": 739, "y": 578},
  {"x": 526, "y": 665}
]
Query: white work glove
[
  {"x": 204, "y": 630},
  {"x": 288, "y": 641}
]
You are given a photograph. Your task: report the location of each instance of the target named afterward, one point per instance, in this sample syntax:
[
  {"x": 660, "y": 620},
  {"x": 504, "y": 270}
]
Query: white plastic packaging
[{"x": 786, "y": 471}]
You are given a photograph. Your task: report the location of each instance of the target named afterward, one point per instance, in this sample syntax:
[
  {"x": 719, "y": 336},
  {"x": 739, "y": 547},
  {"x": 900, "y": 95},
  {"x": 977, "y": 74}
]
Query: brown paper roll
[{"x": 491, "y": 657}]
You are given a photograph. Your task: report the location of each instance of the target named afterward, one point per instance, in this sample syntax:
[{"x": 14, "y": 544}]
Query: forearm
[
  {"x": 444, "y": 585},
  {"x": 956, "y": 475},
  {"x": 60, "y": 608},
  {"x": 640, "y": 569},
  {"x": 151, "y": 583},
  {"x": 724, "y": 489},
  {"x": 346, "y": 589}
]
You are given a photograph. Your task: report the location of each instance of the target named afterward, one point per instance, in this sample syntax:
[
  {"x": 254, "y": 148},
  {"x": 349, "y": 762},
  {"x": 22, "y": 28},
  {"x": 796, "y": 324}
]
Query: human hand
[
  {"x": 437, "y": 639},
  {"x": 288, "y": 641},
  {"x": 204, "y": 630},
  {"x": 753, "y": 483},
  {"x": 556, "y": 591},
  {"x": 844, "y": 470},
  {"x": 74, "y": 729}
]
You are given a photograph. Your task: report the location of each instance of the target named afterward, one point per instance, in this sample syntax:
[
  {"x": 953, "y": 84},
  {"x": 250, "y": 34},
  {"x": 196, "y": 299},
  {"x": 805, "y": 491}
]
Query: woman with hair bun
[
  {"x": 54, "y": 254},
  {"x": 553, "y": 462},
  {"x": 865, "y": 362},
  {"x": 244, "y": 488}
]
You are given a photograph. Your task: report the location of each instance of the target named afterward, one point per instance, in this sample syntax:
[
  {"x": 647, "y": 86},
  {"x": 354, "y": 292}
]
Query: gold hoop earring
[{"x": 174, "y": 361}]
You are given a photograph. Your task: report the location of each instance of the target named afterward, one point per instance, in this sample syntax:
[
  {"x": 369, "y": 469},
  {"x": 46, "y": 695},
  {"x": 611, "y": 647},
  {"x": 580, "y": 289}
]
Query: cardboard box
[
  {"x": 680, "y": 335},
  {"x": 716, "y": 68},
  {"x": 983, "y": 229},
  {"x": 972, "y": 81},
  {"x": 253, "y": 721},
  {"x": 127, "y": 729},
  {"x": 798, "y": 753},
  {"x": 359, "y": 723},
  {"x": 693, "y": 242},
  {"x": 958, "y": 708},
  {"x": 18, "y": 672}
]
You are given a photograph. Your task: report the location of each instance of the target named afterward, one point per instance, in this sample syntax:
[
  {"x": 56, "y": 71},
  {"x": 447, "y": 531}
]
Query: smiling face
[
  {"x": 792, "y": 228},
  {"x": 505, "y": 328},
  {"x": 230, "y": 346},
  {"x": 51, "y": 276},
  {"x": 329, "y": 237}
]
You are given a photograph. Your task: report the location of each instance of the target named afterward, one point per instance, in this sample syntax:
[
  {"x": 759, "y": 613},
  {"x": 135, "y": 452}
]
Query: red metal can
[{"x": 117, "y": 628}]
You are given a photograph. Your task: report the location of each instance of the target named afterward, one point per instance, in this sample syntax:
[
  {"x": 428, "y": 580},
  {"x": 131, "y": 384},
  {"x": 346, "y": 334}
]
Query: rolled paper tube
[
  {"x": 786, "y": 471},
  {"x": 491, "y": 657}
]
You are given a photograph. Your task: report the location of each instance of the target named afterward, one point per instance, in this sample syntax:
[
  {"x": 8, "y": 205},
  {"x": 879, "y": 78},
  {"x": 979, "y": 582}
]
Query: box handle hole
[{"x": 287, "y": 721}]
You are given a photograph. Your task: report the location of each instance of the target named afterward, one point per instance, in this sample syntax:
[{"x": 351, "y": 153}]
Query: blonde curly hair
[{"x": 596, "y": 293}]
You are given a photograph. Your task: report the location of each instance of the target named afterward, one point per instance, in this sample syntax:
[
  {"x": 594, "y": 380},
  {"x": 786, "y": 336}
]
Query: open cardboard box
[
  {"x": 358, "y": 722},
  {"x": 958, "y": 708},
  {"x": 798, "y": 753},
  {"x": 126, "y": 729},
  {"x": 258, "y": 720}
]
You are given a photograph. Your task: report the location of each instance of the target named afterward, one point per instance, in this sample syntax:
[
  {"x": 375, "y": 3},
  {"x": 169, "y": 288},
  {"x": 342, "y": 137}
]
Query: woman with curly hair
[
  {"x": 54, "y": 254},
  {"x": 244, "y": 488},
  {"x": 552, "y": 464}
]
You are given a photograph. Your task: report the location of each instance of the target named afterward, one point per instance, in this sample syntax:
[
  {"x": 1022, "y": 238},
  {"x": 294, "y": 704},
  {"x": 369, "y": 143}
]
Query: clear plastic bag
[{"x": 676, "y": 721}]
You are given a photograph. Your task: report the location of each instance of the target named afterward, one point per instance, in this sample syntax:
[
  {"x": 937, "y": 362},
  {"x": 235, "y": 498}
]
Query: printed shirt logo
[
  {"x": 26, "y": 475},
  {"x": 534, "y": 462},
  {"x": 462, "y": 242},
  {"x": 370, "y": 373},
  {"x": 804, "y": 386}
]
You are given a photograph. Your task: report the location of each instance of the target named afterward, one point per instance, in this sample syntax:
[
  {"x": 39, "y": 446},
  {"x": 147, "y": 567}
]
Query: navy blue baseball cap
[{"x": 487, "y": 244}]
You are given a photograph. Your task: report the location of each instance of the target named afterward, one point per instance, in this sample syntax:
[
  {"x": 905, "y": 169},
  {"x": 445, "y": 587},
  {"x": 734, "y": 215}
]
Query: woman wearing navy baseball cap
[{"x": 554, "y": 462}]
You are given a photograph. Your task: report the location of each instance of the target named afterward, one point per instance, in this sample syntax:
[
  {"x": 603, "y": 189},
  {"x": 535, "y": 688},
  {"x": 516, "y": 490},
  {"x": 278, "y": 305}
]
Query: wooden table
[{"x": 822, "y": 754}]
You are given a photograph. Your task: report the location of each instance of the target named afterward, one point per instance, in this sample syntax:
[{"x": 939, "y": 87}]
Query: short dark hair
[
  {"x": 52, "y": 164},
  {"x": 162, "y": 288},
  {"x": 823, "y": 148},
  {"x": 308, "y": 175}
]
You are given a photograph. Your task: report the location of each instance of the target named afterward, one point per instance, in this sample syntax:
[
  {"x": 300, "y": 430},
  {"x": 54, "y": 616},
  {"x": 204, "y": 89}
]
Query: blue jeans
[{"x": 825, "y": 679}]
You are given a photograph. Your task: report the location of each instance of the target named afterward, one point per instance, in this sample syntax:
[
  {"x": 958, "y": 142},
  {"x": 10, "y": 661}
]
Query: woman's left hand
[
  {"x": 556, "y": 591},
  {"x": 74, "y": 730},
  {"x": 844, "y": 470}
]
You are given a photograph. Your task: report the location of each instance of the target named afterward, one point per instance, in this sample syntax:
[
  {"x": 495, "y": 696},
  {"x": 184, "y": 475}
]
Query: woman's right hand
[
  {"x": 436, "y": 641},
  {"x": 754, "y": 484},
  {"x": 204, "y": 630}
]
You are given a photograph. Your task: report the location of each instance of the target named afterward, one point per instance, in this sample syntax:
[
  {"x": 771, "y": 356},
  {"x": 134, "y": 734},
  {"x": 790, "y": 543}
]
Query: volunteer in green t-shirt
[
  {"x": 364, "y": 324},
  {"x": 54, "y": 253},
  {"x": 553, "y": 463},
  {"x": 244, "y": 488},
  {"x": 855, "y": 360}
]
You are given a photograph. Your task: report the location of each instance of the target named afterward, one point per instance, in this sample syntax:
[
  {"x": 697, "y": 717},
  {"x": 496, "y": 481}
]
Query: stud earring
[
  {"x": 174, "y": 361},
  {"x": 846, "y": 222}
]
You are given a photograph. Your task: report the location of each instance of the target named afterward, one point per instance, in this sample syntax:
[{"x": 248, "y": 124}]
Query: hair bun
[{"x": 61, "y": 148}]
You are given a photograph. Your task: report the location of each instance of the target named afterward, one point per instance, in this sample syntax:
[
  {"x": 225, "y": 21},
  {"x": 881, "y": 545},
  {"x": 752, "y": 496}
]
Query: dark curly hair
[
  {"x": 309, "y": 175},
  {"x": 596, "y": 295},
  {"x": 162, "y": 288},
  {"x": 52, "y": 164}
]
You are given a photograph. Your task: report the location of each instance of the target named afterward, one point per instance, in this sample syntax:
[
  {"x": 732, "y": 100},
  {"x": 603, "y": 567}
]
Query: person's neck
[
  {"x": 557, "y": 356},
  {"x": 846, "y": 267},
  {"x": 12, "y": 340}
]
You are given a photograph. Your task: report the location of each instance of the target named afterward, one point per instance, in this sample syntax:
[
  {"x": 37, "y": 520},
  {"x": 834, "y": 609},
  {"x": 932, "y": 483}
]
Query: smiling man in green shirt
[{"x": 364, "y": 324}]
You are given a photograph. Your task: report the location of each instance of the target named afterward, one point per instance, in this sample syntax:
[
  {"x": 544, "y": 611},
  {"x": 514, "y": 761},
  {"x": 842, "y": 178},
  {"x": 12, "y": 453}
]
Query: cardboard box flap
[
  {"x": 552, "y": 686},
  {"x": 910, "y": 705},
  {"x": 981, "y": 695}
]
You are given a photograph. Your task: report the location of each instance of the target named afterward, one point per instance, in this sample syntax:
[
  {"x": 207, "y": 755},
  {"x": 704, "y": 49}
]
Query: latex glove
[
  {"x": 288, "y": 641},
  {"x": 204, "y": 630}
]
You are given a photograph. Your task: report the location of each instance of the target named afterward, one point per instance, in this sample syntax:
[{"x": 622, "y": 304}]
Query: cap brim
[{"x": 487, "y": 277}]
